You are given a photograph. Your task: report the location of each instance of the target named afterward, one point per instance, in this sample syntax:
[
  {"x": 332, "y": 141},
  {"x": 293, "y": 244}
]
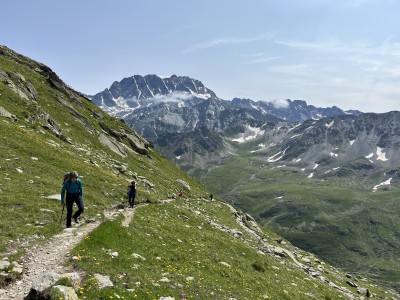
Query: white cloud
[
  {"x": 226, "y": 41},
  {"x": 296, "y": 69},
  {"x": 261, "y": 60},
  {"x": 280, "y": 103},
  {"x": 173, "y": 97}
]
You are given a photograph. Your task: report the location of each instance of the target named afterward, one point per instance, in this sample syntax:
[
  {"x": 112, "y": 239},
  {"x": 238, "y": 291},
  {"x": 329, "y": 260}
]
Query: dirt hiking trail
[{"x": 51, "y": 256}]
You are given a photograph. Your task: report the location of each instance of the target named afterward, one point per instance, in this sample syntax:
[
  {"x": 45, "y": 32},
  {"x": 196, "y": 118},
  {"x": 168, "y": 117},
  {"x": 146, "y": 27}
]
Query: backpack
[{"x": 66, "y": 177}]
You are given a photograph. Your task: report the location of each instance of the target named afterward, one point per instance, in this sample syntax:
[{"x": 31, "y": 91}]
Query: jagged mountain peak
[{"x": 141, "y": 91}]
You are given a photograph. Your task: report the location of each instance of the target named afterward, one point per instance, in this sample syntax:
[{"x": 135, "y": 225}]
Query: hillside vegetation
[
  {"x": 48, "y": 129},
  {"x": 341, "y": 219},
  {"x": 189, "y": 248}
]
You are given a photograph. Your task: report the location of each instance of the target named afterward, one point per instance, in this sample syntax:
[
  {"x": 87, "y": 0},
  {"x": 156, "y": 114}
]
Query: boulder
[
  {"x": 352, "y": 284},
  {"x": 6, "y": 114},
  {"x": 148, "y": 183},
  {"x": 183, "y": 184},
  {"x": 42, "y": 286},
  {"x": 46, "y": 281},
  {"x": 4, "y": 264},
  {"x": 68, "y": 293},
  {"x": 103, "y": 281},
  {"x": 364, "y": 292}
]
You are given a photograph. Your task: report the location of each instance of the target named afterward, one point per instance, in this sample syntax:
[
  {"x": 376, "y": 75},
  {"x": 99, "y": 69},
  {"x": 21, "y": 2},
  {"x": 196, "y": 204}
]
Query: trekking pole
[{"x": 62, "y": 214}]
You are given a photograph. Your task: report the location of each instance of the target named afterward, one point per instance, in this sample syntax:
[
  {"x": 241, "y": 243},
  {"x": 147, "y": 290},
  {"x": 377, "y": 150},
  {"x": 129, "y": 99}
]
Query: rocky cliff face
[{"x": 142, "y": 91}]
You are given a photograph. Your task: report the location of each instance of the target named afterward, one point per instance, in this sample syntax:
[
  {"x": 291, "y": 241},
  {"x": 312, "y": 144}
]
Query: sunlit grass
[{"x": 172, "y": 249}]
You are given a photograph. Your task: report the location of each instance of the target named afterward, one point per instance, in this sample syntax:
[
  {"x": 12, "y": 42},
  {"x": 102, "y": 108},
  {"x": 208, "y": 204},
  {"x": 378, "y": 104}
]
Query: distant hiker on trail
[
  {"x": 211, "y": 197},
  {"x": 131, "y": 194},
  {"x": 73, "y": 187},
  {"x": 180, "y": 193}
]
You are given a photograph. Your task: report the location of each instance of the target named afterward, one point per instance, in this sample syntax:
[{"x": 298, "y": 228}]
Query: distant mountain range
[
  {"x": 137, "y": 93},
  {"x": 183, "y": 118}
]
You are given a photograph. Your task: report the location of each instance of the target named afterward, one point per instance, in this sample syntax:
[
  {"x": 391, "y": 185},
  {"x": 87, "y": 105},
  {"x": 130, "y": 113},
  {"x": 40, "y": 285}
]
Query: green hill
[
  {"x": 340, "y": 219},
  {"x": 189, "y": 248}
]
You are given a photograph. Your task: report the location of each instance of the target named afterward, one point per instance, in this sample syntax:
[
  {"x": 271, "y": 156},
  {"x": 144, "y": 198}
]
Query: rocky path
[{"x": 51, "y": 257}]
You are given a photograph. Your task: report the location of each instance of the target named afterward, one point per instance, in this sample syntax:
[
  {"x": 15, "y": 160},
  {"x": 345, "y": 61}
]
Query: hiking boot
[{"x": 76, "y": 219}]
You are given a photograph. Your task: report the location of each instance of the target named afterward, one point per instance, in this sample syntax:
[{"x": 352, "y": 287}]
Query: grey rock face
[
  {"x": 46, "y": 281},
  {"x": 187, "y": 122},
  {"x": 137, "y": 90}
]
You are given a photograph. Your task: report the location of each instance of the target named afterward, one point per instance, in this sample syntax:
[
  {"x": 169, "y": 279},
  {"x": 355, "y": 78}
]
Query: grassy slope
[
  {"x": 32, "y": 163},
  {"x": 339, "y": 219},
  {"x": 184, "y": 254}
]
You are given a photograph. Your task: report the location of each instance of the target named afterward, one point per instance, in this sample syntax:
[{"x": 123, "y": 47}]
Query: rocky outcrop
[
  {"x": 46, "y": 286},
  {"x": 6, "y": 114},
  {"x": 17, "y": 83},
  {"x": 183, "y": 184},
  {"x": 137, "y": 143}
]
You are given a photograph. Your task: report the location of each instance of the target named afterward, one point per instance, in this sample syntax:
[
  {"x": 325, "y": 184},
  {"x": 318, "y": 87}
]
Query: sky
[{"x": 343, "y": 53}]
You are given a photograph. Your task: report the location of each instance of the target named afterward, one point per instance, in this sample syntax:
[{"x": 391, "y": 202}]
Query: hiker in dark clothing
[
  {"x": 131, "y": 194},
  {"x": 73, "y": 187}
]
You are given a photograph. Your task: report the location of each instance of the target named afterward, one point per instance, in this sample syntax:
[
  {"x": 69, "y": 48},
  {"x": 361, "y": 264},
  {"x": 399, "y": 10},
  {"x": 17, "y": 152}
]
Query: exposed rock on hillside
[
  {"x": 139, "y": 144},
  {"x": 17, "y": 83}
]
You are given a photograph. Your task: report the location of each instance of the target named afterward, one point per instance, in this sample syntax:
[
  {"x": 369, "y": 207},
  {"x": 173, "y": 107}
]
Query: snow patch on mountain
[
  {"x": 277, "y": 156},
  {"x": 334, "y": 169},
  {"x": 387, "y": 182},
  {"x": 250, "y": 134},
  {"x": 380, "y": 154},
  {"x": 261, "y": 147},
  {"x": 330, "y": 124},
  {"x": 294, "y": 127},
  {"x": 296, "y": 135}
]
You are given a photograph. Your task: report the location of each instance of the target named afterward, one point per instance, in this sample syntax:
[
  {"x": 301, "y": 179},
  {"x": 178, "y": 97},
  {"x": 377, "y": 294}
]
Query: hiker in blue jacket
[{"x": 73, "y": 187}]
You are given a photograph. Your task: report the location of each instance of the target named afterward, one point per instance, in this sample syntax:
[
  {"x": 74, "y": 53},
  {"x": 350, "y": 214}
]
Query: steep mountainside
[
  {"x": 159, "y": 108},
  {"x": 171, "y": 248}
]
